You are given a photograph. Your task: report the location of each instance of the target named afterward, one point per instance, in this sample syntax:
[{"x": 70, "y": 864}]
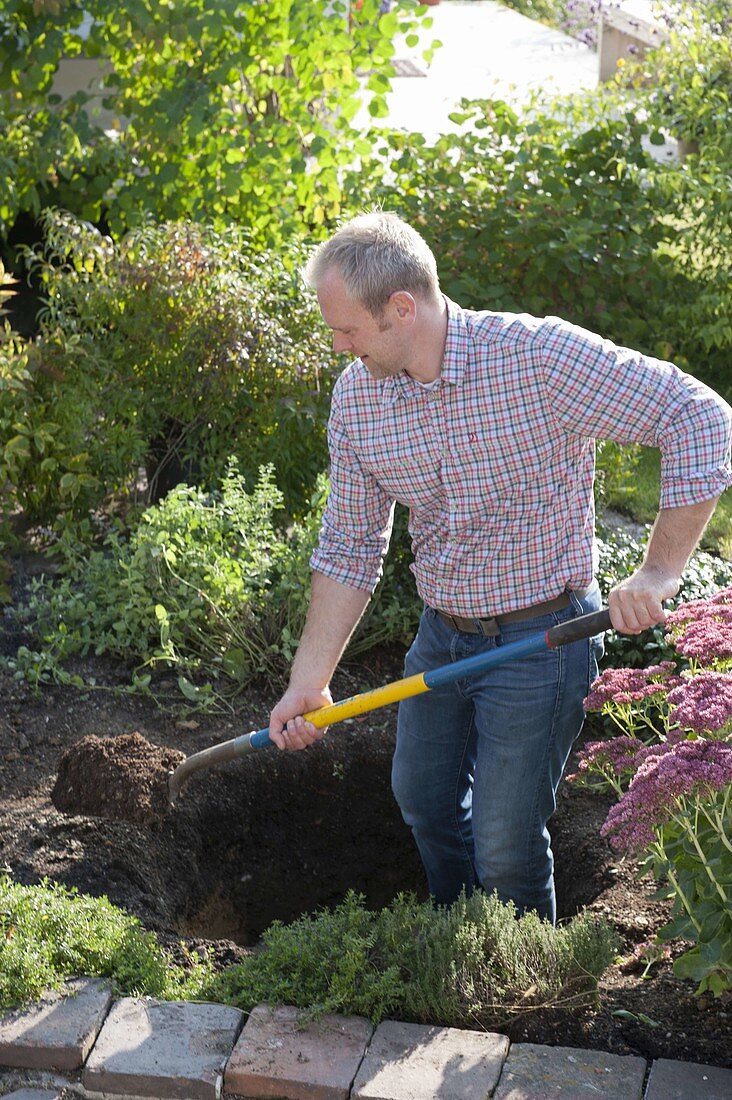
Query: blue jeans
[{"x": 478, "y": 762}]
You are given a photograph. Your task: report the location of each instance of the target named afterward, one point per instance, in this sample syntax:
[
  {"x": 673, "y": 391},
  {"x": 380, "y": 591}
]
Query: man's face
[{"x": 380, "y": 343}]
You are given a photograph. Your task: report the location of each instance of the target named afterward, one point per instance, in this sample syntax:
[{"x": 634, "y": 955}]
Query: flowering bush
[
  {"x": 671, "y": 769},
  {"x": 702, "y": 630}
]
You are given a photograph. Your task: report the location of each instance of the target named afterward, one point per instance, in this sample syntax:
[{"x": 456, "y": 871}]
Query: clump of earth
[{"x": 122, "y": 778}]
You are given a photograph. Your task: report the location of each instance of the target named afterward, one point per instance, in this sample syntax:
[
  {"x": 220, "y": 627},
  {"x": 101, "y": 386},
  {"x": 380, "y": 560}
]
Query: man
[{"x": 483, "y": 425}]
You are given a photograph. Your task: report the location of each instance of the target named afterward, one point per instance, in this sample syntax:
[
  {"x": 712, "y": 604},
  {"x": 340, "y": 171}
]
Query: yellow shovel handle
[{"x": 367, "y": 700}]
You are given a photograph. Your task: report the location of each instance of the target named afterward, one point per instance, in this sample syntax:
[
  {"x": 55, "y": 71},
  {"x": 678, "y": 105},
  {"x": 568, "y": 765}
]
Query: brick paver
[
  {"x": 416, "y": 1062},
  {"x": 32, "y": 1095},
  {"x": 534, "y": 1072},
  {"x": 277, "y": 1057},
  {"x": 162, "y": 1049},
  {"x": 670, "y": 1080},
  {"x": 58, "y": 1031}
]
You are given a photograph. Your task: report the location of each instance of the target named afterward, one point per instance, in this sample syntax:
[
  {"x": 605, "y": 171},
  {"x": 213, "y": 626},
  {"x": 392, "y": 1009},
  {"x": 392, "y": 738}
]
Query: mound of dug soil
[{"x": 122, "y": 778}]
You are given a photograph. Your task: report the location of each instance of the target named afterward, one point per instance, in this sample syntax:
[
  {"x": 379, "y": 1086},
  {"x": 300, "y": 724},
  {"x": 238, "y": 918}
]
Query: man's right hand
[{"x": 287, "y": 728}]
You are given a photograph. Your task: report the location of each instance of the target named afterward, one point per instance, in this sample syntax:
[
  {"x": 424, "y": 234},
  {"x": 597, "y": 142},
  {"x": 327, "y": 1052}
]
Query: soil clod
[{"x": 123, "y": 778}]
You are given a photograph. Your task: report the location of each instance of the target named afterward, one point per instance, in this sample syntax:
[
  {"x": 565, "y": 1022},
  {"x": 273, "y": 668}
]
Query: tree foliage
[{"x": 224, "y": 110}]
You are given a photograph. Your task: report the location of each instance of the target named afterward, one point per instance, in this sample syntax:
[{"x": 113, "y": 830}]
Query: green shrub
[
  {"x": 615, "y": 473},
  {"x": 169, "y": 351},
  {"x": 684, "y": 87},
  {"x": 687, "y": 78},
  {"x": 15, "y": 436},
  {"x": 207, "y": 585},
  {"x": 473, "y": 964},
  {"x": 49, "y": 932},
  {"x": 547, "y": 211},
  {"x": 560, "y": 210}
]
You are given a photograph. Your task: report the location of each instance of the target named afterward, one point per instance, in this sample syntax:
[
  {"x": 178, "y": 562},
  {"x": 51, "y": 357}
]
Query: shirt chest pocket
[{"x": 482, "y": 472}]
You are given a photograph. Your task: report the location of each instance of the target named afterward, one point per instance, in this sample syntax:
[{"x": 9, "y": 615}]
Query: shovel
[{"x": 585, "y": 626}]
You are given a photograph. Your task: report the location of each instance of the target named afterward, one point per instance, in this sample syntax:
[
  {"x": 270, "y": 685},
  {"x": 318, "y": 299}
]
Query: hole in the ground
[
  {"x": 269, "y": 837},
  {"x": 285, "y": 834},
  {"x": 275, "y": 836}
]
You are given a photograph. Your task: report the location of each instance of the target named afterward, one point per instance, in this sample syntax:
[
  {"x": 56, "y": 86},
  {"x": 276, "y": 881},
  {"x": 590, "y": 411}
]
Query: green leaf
[
  {"x": 17, "y": 447},
  {"x": 190, "y": 690}
]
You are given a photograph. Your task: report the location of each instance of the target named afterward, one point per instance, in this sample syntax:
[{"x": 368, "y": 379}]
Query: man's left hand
[{"x": 636, "y": 604}]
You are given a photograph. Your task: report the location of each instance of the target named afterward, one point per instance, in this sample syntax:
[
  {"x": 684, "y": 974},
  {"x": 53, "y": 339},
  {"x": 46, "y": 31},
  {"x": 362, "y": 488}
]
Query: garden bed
[{"x": 275, "y": 835}]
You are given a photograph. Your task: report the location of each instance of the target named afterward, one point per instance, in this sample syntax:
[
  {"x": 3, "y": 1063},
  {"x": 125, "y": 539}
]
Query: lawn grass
[{"x": 642, "y": 504}]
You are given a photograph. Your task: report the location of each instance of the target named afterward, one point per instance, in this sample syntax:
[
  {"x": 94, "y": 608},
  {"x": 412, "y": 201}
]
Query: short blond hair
[{"x": 376, "y": 254}]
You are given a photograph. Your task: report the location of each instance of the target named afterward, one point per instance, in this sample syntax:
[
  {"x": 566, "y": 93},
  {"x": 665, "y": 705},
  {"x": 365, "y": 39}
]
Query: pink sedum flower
[
  {"x": 630, "y": 685},
  {"x": 702, "y": 629},
  {"x": 617, "y": 753},
  {"x": 675, "y": 770},
  {"x": 705, "y": 640},
  {"x": 719, "y": 604},
  {"x": 622, "y": 755},
  {"x": 702, "y": 703}
]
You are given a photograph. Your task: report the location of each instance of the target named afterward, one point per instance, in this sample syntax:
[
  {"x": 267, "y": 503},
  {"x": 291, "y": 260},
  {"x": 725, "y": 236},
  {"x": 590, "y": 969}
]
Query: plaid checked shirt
[{"x": 496, "y": 463}]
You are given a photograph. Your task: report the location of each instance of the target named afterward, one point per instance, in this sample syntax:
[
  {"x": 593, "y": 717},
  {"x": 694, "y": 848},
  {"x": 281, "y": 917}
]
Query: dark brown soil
[
  {"x": 122, "y": 778},
  {"x": 275, "y": 835}
]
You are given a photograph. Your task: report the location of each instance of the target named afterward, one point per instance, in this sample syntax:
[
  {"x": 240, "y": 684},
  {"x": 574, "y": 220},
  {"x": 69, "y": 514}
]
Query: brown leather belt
[{"x": 489, "y": 628}]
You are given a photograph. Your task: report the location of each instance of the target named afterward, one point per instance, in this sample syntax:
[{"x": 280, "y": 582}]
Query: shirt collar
[{"x": 454, "y": 362}]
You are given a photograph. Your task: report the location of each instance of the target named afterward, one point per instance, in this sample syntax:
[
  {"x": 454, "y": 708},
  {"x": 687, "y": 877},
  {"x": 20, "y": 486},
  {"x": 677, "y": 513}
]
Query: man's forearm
[
  {"x": 675, "y": 534},
  {"x": 335, "y": 610}
]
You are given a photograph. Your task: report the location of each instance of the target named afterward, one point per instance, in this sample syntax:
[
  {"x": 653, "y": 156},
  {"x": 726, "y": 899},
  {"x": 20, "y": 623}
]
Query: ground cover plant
[
  {"x": 472, "y": 964},
  {"x": 50, "y": 933}
]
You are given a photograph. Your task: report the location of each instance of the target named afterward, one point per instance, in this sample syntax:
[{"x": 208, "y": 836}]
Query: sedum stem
[{"x": 683, "y": 821}]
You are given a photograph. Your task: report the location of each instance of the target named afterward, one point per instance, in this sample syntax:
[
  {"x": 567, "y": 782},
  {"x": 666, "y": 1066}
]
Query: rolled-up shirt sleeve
[
  {"x": 600, "y": 390},
  {"x": 357, "y": 522}
]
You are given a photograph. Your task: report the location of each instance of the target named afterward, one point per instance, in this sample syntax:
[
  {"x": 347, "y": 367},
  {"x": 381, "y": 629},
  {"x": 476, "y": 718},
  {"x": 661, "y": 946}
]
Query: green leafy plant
[
  {"x": 49, "y": 933},
  {"x": 471, "y": 964},
  {"x": 169, "y": 351},
  {"x": 559, "y": 209},
  {"x": 14, "y": 402},
  {"x": 538, "y": 211},
  {"x": 688, "y": 76},
  {"x": 208, "y": 586},
  {"x": 213, "y": 110},
  {"x": 615, "y": 473}
]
